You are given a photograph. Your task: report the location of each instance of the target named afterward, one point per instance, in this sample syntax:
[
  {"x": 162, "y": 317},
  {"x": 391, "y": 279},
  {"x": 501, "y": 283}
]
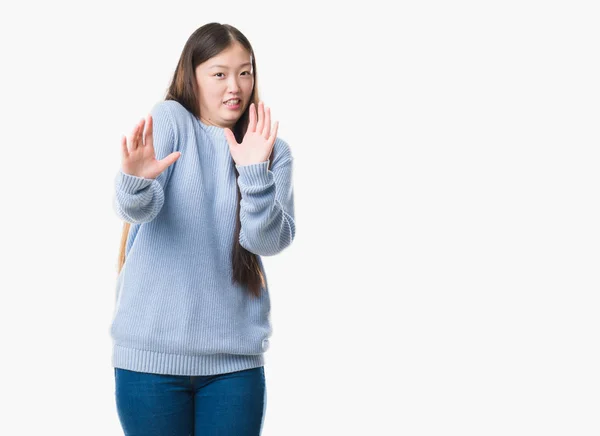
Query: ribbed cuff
[
  {"x": 131, "y": 184},
  {"x": 254, "y": 174},
  {"x": 175, "y": 364}
]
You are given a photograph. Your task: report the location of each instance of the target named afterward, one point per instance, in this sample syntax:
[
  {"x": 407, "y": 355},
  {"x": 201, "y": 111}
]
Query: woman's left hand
[{"x": 258, "y": 142}]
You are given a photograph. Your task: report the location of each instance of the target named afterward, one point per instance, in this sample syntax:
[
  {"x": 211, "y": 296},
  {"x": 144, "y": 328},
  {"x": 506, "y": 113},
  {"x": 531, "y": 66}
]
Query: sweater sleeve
[
  {"x": 267, "y": 205},
  {"x": 137, "y": 199}
]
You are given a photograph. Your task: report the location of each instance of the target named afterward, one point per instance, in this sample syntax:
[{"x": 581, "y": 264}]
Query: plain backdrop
[{"x": 444, "y": 275}]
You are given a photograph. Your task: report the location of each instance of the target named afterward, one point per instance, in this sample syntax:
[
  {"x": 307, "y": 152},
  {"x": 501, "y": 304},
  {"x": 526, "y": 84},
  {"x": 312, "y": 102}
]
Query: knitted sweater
[{"x": 176, "y": 310}]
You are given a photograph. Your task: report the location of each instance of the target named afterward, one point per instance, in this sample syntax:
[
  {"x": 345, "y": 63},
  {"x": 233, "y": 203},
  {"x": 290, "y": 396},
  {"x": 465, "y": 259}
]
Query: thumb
[
  {"x": 230, "y": 137},
  {"x": 169, "y": 160}
]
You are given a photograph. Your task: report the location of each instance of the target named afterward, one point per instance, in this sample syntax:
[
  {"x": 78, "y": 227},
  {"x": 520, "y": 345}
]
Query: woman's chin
[{"x": 230, "y": 118}]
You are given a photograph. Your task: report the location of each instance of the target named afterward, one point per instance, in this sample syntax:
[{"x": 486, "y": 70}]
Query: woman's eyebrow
[{"x": 247, "y": 64}]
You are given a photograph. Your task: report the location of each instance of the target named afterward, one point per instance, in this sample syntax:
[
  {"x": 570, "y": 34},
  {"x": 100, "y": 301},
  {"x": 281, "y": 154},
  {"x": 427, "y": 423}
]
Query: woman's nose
[{"x": 233, "y": 86}]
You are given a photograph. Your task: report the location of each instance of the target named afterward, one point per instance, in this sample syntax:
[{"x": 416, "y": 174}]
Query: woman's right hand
[{"x": 138, "y": 158}]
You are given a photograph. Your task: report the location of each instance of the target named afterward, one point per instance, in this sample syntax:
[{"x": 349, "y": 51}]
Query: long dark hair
[{"x": 205, "y": 43}]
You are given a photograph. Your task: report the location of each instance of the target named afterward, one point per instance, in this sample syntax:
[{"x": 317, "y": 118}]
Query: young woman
[{"x": 205, "y": 190}]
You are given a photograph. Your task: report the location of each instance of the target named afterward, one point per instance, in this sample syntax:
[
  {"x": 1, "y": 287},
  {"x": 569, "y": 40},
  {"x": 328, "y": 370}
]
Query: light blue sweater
[{"x": 177, "y": 311}]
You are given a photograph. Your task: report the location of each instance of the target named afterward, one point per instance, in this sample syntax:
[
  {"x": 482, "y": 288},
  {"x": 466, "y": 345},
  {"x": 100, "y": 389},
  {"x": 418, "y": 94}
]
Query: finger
[
  {"x": 230, "y": 138},
  {"x": 133, "y": 143},
  {"x": 267, "y": 129},
  {"x": 169, "y": 160},
  {"x": 261, "y": 118},
  {"x": 148, "y": 135},
  {"x": 273, "y": 136},
  {"x": 131, "y": 138},
  {"x": 252, "y": 121},
  {"x": 140, "y": 133},
  {"x": 124, "y": 151}
]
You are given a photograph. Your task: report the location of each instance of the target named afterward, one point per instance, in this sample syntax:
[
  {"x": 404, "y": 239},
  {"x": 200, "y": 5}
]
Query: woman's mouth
[{"x": 233, "y": 104}]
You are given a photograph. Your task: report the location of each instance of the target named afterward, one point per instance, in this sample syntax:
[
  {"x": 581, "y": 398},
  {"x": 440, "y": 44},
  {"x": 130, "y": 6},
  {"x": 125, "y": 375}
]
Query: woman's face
[{"x": 225, "y": 84}]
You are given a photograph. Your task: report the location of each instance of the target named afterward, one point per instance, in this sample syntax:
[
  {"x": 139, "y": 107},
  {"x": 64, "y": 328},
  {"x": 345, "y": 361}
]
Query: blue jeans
[{"x": 231, "y": 404}]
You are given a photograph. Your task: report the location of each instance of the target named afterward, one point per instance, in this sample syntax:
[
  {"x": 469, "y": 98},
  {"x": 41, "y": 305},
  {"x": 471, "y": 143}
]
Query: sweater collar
[{"x": 213, "y": 130}]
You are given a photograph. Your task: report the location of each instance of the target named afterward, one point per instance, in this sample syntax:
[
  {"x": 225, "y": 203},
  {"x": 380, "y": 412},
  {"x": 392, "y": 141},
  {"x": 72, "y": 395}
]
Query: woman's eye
[{"x": 247, "y": 73}]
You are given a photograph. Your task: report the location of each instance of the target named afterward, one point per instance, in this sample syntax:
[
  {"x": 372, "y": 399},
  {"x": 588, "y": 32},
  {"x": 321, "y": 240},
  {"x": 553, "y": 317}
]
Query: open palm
[
  {"x": 138, "y": 158},
  {"x": 258, "y": 141}
]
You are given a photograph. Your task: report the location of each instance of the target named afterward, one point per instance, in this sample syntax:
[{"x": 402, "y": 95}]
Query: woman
[{"x": 204, "y": 190}]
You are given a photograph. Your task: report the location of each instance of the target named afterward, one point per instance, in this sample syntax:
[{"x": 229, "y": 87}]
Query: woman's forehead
[{"x": 234, "y": 56}]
